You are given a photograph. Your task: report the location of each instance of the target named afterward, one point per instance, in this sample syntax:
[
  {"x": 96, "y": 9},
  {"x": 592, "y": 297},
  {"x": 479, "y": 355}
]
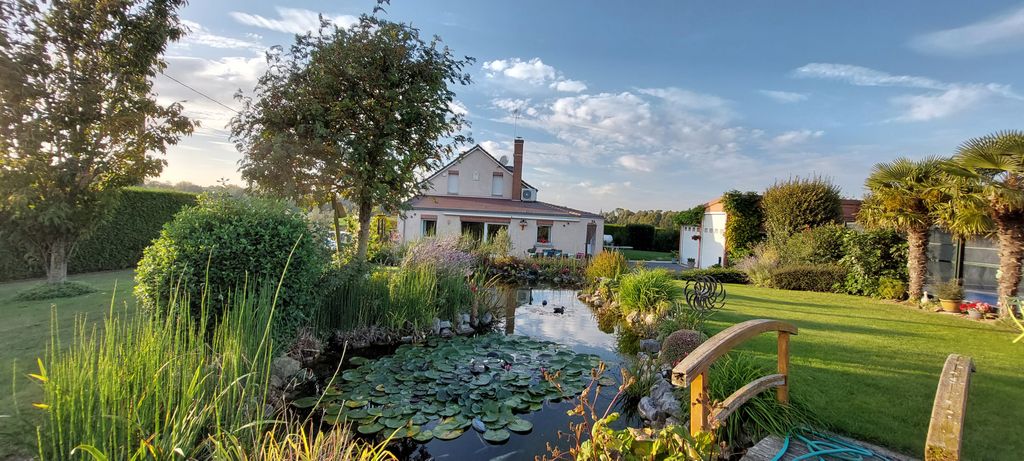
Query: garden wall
[{"x": 117, "y": 243}]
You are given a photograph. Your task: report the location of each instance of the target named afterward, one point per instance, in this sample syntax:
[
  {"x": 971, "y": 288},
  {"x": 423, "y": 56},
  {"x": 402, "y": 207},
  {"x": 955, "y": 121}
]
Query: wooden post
[
  {"x": 783, "y": 391},
  {"x": 699, "y": 404}
]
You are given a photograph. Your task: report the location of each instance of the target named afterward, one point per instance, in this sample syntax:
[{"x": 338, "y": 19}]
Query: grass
[
  {"x": 870, "y": 368},
  {"x": 640, "y": 255},
  {"x": 25, "y": 329}
]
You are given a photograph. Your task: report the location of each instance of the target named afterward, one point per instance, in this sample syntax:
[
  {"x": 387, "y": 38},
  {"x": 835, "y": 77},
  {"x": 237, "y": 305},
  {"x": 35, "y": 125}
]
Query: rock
[
  {"x": 670, "y": 407},
  {"x": 406, "y": 339},
  {"x": 446, "y": 332},
  {"x": 464, "y": 318},
  {"x": 276, "y": 382},
  {"x": 479, "y": 425},
  {"x": 464, "y": 329},
  {"x": 487, "y": 319},
  {"x": 650, "y": 345},
  {"x": 285, "y": 367},
  {"x": 436, "y": 329},
  {"x": 444, "y": 324},
  {"x": 647, "y": 409}
]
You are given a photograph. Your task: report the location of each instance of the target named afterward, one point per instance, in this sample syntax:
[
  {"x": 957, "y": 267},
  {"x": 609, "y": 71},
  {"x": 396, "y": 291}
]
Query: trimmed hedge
[
  {"x": 666, "y": 240},
  {"x": 809, "y": 277},
  {"x": 618, "y": 233},
  {"x": 135, "y": 220},
  {"x": 721, "y": 274},
  {"x": 641, "y": 236},
  {"x": 799, "y": 203}
]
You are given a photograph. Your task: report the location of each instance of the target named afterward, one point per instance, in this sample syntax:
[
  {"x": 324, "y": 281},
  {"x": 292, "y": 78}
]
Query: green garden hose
[{"x": 825, "y": 445}]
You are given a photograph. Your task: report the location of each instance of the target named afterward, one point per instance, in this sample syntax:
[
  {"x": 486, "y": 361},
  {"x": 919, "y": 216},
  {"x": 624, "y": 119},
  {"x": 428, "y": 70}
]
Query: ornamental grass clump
[
  {"x": 445, "y": 253},
  {"x": 606, "y": 265},
  {"x": 648, "y": 291}
]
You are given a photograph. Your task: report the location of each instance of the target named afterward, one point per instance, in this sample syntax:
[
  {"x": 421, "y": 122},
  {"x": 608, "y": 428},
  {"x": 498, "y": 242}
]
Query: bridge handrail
[{"x": 945, "y": 430}]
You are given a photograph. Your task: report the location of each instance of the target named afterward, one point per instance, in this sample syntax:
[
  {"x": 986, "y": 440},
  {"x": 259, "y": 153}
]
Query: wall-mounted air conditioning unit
[{"x": 529, "y": 195}]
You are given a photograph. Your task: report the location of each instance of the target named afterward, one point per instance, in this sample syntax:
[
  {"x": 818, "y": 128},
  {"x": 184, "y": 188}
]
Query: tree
[
  {"x": 797, "y": 204},
  {"x": 744, "y": 227},
  {"x": 78, "y": 119},
  {"x": 358, "y": 112},
  {"x": 903, "y": 196},
  {"x": 987, "y": 189},
  {"x": 692, "y": 217}
]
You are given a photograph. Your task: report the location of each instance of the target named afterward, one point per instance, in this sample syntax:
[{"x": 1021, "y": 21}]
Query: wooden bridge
[{"x": 944, "y": 432}]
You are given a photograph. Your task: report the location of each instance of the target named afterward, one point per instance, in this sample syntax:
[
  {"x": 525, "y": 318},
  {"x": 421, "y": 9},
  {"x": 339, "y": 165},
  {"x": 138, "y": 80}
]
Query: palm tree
[
  {"x": 987, "y": 176},
  {"x": 903, "y": 195}
]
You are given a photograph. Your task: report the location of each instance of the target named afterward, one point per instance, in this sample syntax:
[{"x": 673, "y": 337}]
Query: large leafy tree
[
  {"x": 987, "y": 188},
  {"x": 903, "y": 196},
  {"x": 78, "y": 119},
  {"x": 357, "y": 112}
]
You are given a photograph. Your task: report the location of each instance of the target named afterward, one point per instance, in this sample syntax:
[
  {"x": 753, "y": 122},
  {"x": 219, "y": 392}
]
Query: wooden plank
[
  {"x": 946, "y": 426},
  {"x": 783, "y": 391},
  {"x": 701, "y": 358},
  {"x": 700, "y": 404},
  {"x": 769, "y": 447},
  {"x": 745, "y": 393}
]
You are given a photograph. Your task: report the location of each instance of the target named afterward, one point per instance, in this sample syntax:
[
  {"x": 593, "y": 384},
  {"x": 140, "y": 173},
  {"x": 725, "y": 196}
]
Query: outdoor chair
[{"x": 1016, "y": 306}]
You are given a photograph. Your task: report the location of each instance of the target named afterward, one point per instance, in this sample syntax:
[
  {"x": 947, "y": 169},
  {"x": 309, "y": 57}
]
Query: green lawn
[
  {"x": 25, "y": 333},
  {"x": 870, "y": 368},
  {"x": 638, "y": 255}
]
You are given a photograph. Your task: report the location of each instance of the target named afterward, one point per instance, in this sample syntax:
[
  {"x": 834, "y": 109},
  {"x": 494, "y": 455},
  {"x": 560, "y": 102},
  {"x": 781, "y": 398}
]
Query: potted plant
[
  {"x": 976, "y": 310},
  {"x": 951, "y": 294}
]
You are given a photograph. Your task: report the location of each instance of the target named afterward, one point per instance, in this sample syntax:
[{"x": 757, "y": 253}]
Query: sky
[{"x": 659, "y": 104}]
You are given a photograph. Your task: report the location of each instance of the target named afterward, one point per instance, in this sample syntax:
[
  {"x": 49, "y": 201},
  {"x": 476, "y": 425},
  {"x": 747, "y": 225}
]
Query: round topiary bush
[
  {"x": 224, "y": 243},
  {"x": 679, "y": 344}
]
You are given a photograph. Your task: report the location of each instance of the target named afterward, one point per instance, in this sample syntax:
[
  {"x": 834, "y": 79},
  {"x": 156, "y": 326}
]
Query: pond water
[{"x": 525, "y": 313}]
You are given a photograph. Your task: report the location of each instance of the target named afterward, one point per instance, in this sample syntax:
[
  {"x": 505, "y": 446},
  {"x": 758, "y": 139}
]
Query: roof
[
  {"x": 496, "y": 205},
  {"x": 463, "y": 155},
  {"x": 850, "y": 209}
]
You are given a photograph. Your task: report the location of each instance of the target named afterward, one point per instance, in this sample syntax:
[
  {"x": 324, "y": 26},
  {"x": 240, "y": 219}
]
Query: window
[
  {"x": 493, "y": 229},
  {"x": 429, "y": 228},
  {"x": 473, "y": 230},
  {"x": 544, "y": 234},
  {"x": 453, "y": 182},
  {"x": 497, "y": 184}
]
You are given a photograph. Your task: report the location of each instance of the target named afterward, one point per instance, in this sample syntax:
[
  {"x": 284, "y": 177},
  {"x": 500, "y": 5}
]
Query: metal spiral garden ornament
[{"x": 704, "y": 294}]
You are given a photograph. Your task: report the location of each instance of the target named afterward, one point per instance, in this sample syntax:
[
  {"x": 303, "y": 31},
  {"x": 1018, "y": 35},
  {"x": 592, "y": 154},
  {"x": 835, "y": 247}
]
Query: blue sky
[{"x": 665, "y": 105}]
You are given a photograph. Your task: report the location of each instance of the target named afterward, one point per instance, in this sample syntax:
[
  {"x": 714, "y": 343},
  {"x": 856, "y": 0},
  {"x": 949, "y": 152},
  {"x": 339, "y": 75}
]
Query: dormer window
[{"x": 453, "y": 182}]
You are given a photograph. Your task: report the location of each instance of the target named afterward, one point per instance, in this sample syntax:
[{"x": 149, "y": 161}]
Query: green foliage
[
  {"x": 618, "y": 233},
  {"x": 645, "y": 291},
  {"x": 151, "y": 386},
  {"x": 678, "y": 345},
  {"x": 133, "y": 221},
  {"x": 691, "y": 217},
  {"x": 643, "y": 373},
  {"x": 55, "y": 290},
  {"x": 226, "y": 242},
  {"x": 809, "y": 277},
  {"x": 656, "y": 218},
  {"x": 745, "y": 226},
  {"x": 800, "y": 203},
  {"x": 382, "y": 247},
  {"x": 721, "y": 274},
  {"x": 817, "y": 245},
  {"x": 358, "y": 111},
  {"x": 666, "y": 240},
  {"x": 672, "y": 443},
  {"x": 890, "y": 288},
  {"x": 606, "y": 265},
  {"x": 640, "y": 236},
  {"x": 557, "y": 272},
  {"x": 950, "y": 290},
  {"x": 79, "y": 119},
  {"x": 871, "y": 255}
]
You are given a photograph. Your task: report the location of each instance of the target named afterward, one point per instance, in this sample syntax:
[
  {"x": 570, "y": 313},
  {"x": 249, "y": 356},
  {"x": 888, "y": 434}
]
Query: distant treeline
[{"x": 665, "y": 219}]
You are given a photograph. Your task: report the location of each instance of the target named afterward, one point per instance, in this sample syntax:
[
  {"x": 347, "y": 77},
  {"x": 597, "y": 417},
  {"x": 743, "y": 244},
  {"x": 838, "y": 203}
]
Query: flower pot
[
  {"x": 974, "y": 314},
  {"x": 950, "y": 305}
]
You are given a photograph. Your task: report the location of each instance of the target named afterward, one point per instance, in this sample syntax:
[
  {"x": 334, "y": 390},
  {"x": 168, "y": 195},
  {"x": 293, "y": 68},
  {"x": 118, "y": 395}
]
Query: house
[
  {"x": 705, "y": 246},
  {"x": 479, "y": 195}
]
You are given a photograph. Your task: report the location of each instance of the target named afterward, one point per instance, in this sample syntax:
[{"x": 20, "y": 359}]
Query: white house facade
[
  {"x": 479, "y": 195},
  {"x": 704, "y": 246}
]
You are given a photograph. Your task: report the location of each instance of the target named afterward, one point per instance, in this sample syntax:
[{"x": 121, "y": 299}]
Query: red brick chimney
[{"x": 517, "y": 169}]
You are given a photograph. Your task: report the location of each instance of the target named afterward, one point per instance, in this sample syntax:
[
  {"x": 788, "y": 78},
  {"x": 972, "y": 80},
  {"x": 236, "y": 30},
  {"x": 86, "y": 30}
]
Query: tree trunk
[
  {"x": 338, "y": 213},
  {"x": 365, "y": 216},
  {"x": 917, "y": 261},
  {"x": 1010, "y": 231},
  {"x": 57, "y": 257}
]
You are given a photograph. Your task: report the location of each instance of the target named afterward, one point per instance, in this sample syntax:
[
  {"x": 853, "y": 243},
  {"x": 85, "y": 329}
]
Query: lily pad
[
  {"x": 497, "y": 436},
  {"x": 367, "y": 429},
  {"x": 423, "y": 436},
  {"x": 520, "y": 425},
  {"x": 449, "y": 435},
  {"x": 305, "y": 402}
]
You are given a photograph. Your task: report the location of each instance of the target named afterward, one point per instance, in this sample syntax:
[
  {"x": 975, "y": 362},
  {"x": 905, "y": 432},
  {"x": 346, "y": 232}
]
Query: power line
[{"x": 200, "y": 93}]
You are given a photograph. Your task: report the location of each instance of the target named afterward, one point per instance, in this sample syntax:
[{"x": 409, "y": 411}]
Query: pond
[{"x": 532, "y": 313}]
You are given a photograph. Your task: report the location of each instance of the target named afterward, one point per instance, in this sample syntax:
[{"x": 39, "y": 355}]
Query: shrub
[
  {"x": 809, "y": 277},
  {"x": 641, "y": 236},
  {"x": 760, "y": 264},
  {"x": 745, "y": 226},
  {"x": 226, "y": 242},
  {"x": 618, "y": 233},
  {"x": 678, "y": 345},
  {"x": 818, "y": 245},
  {"x": 869, "y": 256},
  {"x": 721, "y": 274},
  {"x": 647, "y": 291},
  {"x": 606, "y": 265},
  {"x": 950, "y": 290},
  {"x": 692, "y": 217},
  {"x": 797, "y": 204},
  {"x": 55, "y": 290},
  {"x": 558, "y": 272},
  {"x": 890, "y": 288},
  {"x": 134, "y": 219},
  {"x": 666, "y": 240},
  {"x": 444, "y": 253}
]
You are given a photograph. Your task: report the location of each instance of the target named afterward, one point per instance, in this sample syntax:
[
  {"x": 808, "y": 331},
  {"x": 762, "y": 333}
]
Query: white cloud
[
  {"x": 943, "y": 100},
  {"x": 636, "y": 163},
  {"x": 458, "y": 107},
  {"x": 218, "y": 78},
  {"x": 785, "y": 97},
  {"x": 199, "y": 35},
  {"x": 794, "y": 137},
  {"x": 293, "y": 20},
  {"x": 522, "y": 106},
  {"x": 1001, "y": 33},
  {"x": 532, "y": 72}
]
